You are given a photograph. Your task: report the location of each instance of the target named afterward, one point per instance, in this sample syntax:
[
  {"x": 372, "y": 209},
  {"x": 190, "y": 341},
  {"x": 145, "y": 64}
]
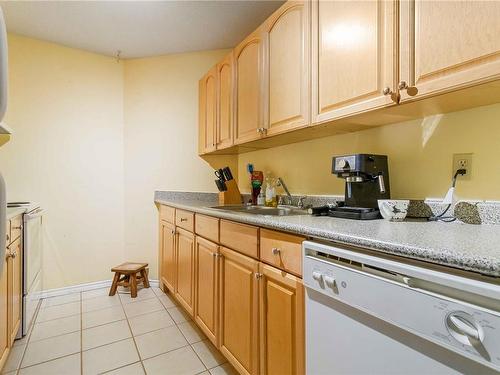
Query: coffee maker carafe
[{"x": 366, "y": 180}]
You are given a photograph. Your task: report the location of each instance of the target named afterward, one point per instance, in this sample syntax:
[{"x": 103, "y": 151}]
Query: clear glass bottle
[{"x": 271, "y": 191}]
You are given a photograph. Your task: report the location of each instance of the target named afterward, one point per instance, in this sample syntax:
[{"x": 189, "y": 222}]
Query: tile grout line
[
  {"x": 18, "y": 369},
  {"x": 189, "y": 344},
  {"x": 133, "y": 337},
  {"x": 48, "y": 360},
  {"x": 100, "y": 325},
  {"x": 122, "y": 304},
  {"x": 118, "y": 368}
]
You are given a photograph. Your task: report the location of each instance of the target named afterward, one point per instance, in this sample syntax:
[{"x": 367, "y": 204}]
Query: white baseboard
[{"x": 82, "y": 288}]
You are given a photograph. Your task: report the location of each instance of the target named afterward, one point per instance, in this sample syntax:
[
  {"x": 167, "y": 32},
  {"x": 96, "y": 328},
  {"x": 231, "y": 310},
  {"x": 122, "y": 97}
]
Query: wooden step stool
[{"x": 126, "y": 275}]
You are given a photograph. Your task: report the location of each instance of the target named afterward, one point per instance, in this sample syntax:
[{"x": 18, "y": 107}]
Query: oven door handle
[{"x": 34, "y": 215}]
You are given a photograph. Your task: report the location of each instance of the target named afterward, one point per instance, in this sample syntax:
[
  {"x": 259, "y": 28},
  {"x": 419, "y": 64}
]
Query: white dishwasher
[{"x": 371, "y": 315}]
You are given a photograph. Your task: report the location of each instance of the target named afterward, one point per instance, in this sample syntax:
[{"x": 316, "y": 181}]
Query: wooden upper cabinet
[
  {"x": 208, "y": 111},
  {"x": 248, "y": 59},
  {"x": 353, "y": 57},
  {"x": 224, "y": 131},
  {"x": 287, "y": 68},
  {"x": 447, "y": 45}
]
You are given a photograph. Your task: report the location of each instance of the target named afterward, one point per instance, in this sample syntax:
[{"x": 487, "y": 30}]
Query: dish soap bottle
[
  {"x": 261, "y": 200},
  {"x": 271, "y": 191}
]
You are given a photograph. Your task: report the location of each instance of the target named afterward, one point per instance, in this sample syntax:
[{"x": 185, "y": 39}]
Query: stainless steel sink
[{"x": 263, "y": 210}]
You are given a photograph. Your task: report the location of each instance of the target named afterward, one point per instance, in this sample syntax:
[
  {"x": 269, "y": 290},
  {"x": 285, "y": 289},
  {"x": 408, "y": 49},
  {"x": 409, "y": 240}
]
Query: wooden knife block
[{"x": 232, "y": 195}]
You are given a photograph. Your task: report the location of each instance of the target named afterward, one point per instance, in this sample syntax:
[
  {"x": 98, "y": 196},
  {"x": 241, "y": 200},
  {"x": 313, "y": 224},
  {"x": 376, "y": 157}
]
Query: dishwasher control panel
[{"x": 460, "y": 326}]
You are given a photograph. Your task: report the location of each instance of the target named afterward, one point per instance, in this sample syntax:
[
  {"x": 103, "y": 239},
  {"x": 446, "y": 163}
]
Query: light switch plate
[{"x": 462, "y": 161}]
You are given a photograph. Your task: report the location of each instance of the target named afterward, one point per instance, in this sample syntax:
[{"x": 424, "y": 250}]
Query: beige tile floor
[{"x": 92, "y": 333}]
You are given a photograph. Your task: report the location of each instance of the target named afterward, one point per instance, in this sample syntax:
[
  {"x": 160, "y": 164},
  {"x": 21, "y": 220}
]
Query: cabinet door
[
  {"x": 185, "y": 269},
  {"x": 287, "y": 61},
  {"x": 353, "y": 57},
  {"x": 14, "y": 272},
  {"x": 446, "y": 45},
  {"x": 208, "y": 111},
  {"x": 281, "y": 322},
  {"x": 168, "y": 264},
  {"x": 207, "y": 288},
  {"x": 4, "y": 342},
  {"x": 248, "y": 72},
  {"x": 224, "y": 133},
  {"x": 239, "y": 311}
]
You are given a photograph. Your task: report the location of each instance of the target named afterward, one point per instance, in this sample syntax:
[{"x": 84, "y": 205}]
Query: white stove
[{"x": 32, "y": 260}]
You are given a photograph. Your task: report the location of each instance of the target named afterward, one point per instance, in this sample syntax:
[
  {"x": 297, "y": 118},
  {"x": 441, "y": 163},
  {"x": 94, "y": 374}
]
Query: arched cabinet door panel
[
  {"x": 354, "y": 52},
  {"x": 248, "y": 61},
  {"x": 287, "y": 67},
  {"x": 447, "y": 45}
]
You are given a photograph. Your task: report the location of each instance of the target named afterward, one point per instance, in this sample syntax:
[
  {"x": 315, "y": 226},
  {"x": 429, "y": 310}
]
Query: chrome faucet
[{"x": 288, "y": 199}]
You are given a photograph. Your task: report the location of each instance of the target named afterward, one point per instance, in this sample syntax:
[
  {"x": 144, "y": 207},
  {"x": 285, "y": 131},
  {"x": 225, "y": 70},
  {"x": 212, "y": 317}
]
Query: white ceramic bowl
[{"x": 393, "y": 209}]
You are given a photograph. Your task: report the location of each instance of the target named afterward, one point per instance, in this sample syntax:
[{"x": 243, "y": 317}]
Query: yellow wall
[
  {"x": 93, "y": 139},
  {"x": 161, "y": 132},
  {"x": 66, "y": 152},
  {"x": 420, "y": 156}
]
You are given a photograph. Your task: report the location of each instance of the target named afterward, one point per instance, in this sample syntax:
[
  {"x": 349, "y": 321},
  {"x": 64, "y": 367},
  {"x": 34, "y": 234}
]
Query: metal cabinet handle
[
  {"x": 258, "y": 275},
  {"x": 19, "y": 227},
  {"x": 410, "y": 90},
  {"x": 172, "y": 231},
  {"x": 276, "y": 251},
  {"x": 394, "y": 95},
  {"x": 183, "y": 219}
]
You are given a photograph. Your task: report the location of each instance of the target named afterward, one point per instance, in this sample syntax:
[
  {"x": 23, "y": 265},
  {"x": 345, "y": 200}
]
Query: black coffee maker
[{"x": 366, "y": 180}]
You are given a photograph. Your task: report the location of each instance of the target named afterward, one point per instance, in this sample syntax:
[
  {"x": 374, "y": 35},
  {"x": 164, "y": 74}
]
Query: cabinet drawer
[
  {"x": 208, "y": 227},
  {"x": 167, "y": 214},
  {"x": 16, "y": 227},
  {"x": 281, "y": 250},
  {"x": 184, "y": 219},
  {"x": 240, "y": 237}
]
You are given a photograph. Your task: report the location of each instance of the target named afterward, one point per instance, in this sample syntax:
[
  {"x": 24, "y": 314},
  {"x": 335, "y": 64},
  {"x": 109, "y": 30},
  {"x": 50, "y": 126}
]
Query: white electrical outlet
[{"x": 462, "y": 161}]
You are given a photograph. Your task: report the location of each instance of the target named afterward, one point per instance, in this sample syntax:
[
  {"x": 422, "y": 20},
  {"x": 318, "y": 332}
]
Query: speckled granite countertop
[{"x": 464, "y": 246}]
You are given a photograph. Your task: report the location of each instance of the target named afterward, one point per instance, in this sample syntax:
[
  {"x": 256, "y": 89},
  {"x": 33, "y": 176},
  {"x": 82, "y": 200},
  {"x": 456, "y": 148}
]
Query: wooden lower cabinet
[
  {"x": 206, "y": 298},
  {"x": 239, "y": 311},
  {"x": 251, "y": 311},
  {"x": 11, "y": 293},
  {"x": 4, "y": 342},
  {"x": 184, "y": 288},
  {"x": 281, "y": 305},
  {"x": 167, "y": 256},
  {"x": 14, "y": 275}
]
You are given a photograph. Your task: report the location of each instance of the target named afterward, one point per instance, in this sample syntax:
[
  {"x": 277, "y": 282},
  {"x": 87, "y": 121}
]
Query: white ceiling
[{"x": 138, "y": 28}]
